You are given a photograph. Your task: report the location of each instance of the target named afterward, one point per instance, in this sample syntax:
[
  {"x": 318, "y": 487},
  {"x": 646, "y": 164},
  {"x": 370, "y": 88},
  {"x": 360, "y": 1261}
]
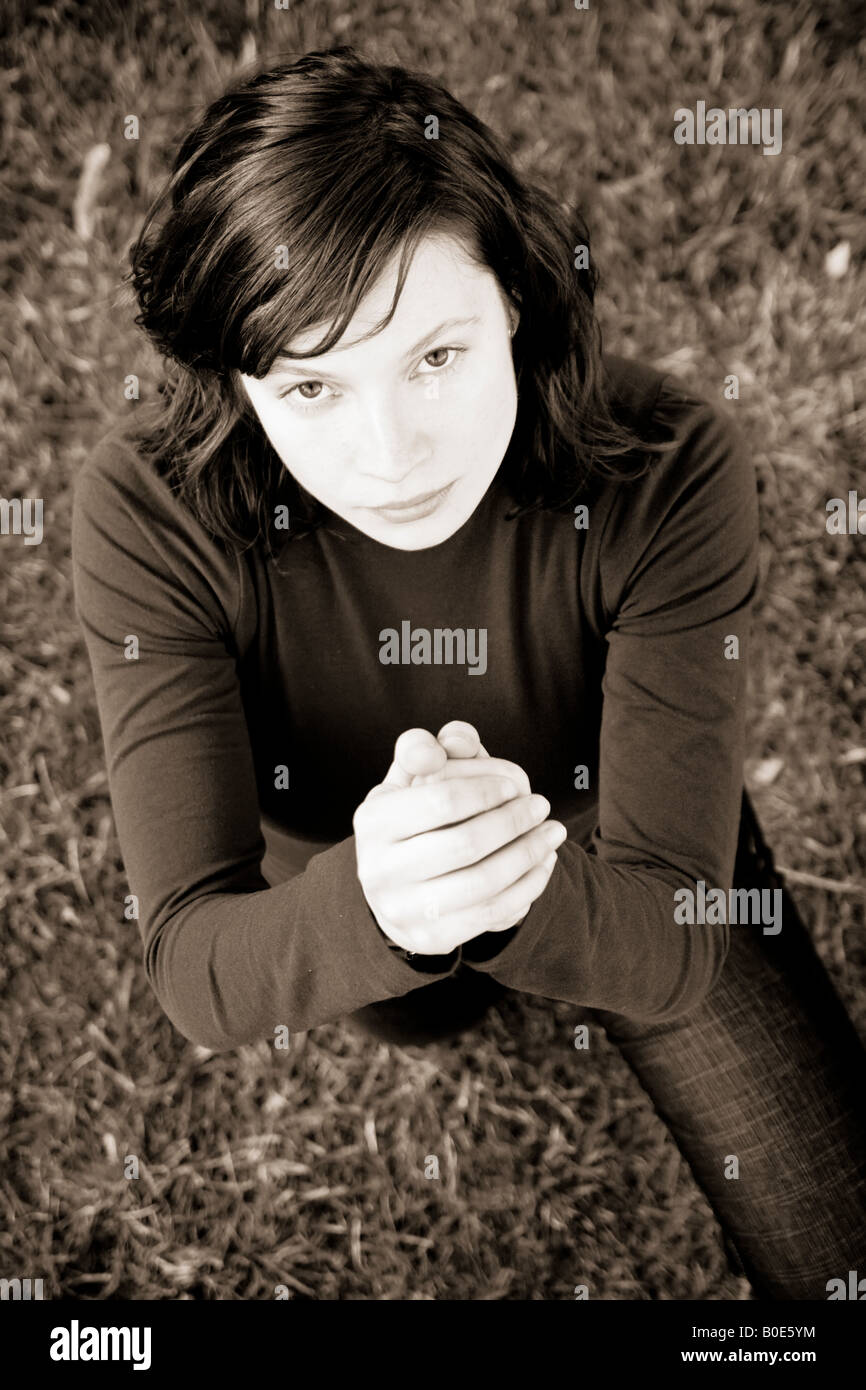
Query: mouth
[{"x": 415, "y": 507}]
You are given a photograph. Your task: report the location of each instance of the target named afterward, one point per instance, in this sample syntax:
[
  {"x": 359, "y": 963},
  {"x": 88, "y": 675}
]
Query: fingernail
[
  {"x": 554, "y": 834},
  {"x": 539, "y": 806}
]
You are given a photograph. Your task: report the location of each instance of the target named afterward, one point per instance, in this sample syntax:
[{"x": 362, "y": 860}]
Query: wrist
[
  {"x": 490, "y": 943},
  {"x": 417, "y": 960}
]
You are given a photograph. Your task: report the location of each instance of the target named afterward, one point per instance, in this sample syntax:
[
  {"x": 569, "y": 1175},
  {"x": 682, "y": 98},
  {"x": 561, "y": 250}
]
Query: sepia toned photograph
[{"x": 432, "y": 821}]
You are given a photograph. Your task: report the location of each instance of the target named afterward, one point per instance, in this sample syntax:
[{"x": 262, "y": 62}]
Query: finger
[
  {"x": 474, "y": 844},
  {"x": 477, "y": 767},
  {"x": 416, "y": 751},
  {"x": 472, "y": 887},
  {"x": 500, "y": 914},
  {"x": 399, "y": 813},
  {"x": 460, "y": 740},
  {"x": 516, "y": 901}
]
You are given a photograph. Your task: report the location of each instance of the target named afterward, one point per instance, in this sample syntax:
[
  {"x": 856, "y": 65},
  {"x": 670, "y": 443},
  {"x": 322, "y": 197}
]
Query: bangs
[{"x": 324, "y": 285}]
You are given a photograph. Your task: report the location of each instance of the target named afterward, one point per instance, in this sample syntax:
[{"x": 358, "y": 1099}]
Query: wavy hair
[{"x": 328, "y": 157}]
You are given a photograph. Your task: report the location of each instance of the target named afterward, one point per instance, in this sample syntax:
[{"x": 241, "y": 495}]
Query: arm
[
  {"x": 228, "y": 957},
  {"x": 679, "y": 567}
]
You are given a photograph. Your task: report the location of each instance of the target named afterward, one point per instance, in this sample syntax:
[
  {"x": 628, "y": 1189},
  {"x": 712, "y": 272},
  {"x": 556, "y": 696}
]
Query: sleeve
[
  {"x": 679, "y": 570},
  {"x": 229, "y": 958}
]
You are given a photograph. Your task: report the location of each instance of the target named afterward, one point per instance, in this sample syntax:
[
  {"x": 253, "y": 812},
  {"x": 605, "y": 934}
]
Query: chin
[
  {"x": 427, "y": 531},
  {"x": 423, "y": 535}
]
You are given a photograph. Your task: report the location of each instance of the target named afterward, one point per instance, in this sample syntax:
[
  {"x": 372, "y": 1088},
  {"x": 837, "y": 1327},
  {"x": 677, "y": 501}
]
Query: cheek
[
  {"x": 290, "y": 435},
  {"x": 312, "y": 452},
  {"x": 493, "y": 401}
]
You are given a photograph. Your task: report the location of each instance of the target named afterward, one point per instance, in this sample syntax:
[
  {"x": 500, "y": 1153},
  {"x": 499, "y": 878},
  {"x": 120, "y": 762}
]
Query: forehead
[{"x": 442, "y": 282}]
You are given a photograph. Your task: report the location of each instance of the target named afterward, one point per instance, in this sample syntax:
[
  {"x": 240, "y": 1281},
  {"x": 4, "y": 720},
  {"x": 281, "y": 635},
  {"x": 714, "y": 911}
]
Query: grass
[{"x": 305, "y": 1167}]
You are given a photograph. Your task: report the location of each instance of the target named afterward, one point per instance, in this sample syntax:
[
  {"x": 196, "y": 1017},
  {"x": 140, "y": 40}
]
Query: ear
[{"x": 510, "y": 301}]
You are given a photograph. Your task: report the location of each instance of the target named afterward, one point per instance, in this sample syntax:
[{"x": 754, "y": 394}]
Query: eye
[
  {"x": 442, "y": 367},
  {"x": 304, "y": 402},
  {"x": 298, "y": 391},
  {"x": 434, "y": 353}
]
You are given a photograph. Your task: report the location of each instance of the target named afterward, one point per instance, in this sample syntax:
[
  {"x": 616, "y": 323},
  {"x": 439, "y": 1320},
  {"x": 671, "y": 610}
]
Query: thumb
[
  {"x": 460, "y": 740},
  {"x": 416, "y": 753}
]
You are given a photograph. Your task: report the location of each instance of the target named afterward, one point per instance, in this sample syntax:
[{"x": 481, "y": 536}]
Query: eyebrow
[{"x": 303, "y": 366}]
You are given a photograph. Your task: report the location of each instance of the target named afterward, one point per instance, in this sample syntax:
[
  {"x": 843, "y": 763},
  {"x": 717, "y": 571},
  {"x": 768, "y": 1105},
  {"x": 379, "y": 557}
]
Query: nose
[{"x": 394, "y": 447}]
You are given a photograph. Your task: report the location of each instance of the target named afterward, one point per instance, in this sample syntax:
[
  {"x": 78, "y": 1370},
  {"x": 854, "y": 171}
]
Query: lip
[{"x": 418, "y": 507}]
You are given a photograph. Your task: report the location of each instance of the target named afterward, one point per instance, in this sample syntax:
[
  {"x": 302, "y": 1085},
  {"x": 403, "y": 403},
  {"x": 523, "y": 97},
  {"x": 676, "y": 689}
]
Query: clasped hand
[{"x": 452, "y": 843}]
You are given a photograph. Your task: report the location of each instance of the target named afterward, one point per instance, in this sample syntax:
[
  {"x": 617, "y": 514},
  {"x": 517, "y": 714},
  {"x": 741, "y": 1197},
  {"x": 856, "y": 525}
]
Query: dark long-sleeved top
[{"x": 258, "y": 712}]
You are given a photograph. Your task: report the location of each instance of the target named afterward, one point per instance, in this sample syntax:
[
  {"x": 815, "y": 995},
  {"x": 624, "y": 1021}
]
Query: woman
[{"x": 320, "y": 546}]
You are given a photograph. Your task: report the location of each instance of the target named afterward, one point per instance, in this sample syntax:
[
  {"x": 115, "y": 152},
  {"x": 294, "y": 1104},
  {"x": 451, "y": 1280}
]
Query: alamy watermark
[
  {"x": 854, "y": 1288},
  {"x": 77, "y": 1343},
  {"x": 736, "y": 126},
  {"x": 19, "y": 1290},
  {"x": 755, "y": 906},
  {"x": 846, "y": 521},
  {"x": 443, "y": 646},
  {"x": 16, "y": 518}
]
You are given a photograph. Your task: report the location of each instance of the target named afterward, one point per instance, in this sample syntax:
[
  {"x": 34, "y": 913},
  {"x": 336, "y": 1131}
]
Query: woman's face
[{"x": 429, "y": 403}]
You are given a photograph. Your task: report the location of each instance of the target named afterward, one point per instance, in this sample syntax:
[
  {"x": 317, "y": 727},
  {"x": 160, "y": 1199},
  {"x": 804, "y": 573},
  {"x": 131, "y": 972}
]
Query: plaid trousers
[{"x": 768, "y": 1070}]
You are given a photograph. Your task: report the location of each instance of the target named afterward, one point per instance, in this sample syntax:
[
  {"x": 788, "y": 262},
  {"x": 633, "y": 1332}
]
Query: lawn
[{"x": 306, "y": 1167}]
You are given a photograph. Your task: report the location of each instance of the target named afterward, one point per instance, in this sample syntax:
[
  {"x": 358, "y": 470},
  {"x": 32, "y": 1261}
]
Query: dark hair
[{"x": 328, "y": 157}]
